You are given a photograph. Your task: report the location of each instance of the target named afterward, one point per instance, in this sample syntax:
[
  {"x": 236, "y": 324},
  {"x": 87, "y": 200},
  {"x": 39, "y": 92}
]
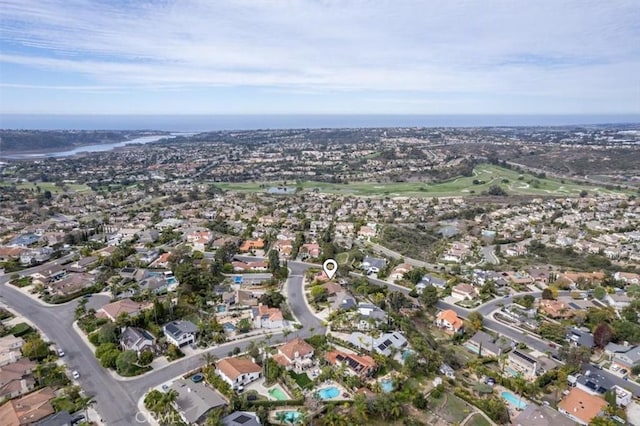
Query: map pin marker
[{"x": 330, "y": 267}]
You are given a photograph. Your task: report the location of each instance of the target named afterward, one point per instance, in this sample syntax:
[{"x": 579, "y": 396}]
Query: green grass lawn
[
  {"x": 50, "y": 186},
  {"x": 302, "y": 380},
  {"x": 455, "y": 409},
  {"x": 477, "y": 420},
  {"x": 512, "y": 182}
]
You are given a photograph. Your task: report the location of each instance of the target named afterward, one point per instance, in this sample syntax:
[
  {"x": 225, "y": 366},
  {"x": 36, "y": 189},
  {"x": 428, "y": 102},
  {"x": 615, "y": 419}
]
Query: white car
[
  {"x": 60, "y": 352},
  {"x": 75, "y": 374}
]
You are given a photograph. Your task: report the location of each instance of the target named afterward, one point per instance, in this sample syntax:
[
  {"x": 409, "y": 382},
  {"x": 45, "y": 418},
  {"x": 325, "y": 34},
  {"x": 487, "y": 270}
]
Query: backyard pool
[
  {"x": 278, "y": 394},
  {"x": 288, "y": 416},
  {"x": 328, "y": 393},
  {"x": 386, "y": 385},
  {"x": 406, "y": 354},
  {"x": 513, "y": 400},
  {"x": 221, "y": 308},
  {"x": 171, "y": 280}
]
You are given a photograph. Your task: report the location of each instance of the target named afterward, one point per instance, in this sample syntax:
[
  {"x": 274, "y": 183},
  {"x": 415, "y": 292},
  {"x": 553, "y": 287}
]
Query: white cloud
[{"x": 587, "y": 49}]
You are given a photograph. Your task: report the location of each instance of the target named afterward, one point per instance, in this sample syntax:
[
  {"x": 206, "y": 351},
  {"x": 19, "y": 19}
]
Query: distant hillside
[{"x": 46, "y": 140}]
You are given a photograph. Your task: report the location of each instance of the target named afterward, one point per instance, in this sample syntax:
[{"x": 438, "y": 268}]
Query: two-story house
[
  {"x": 238, "y": 371},
  {"x": 295, "y": 354},
  {"x": 180, "y": 333}
]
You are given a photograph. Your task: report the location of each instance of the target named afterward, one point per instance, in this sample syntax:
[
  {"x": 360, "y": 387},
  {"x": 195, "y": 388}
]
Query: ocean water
[{"x": 200, "y": 123}]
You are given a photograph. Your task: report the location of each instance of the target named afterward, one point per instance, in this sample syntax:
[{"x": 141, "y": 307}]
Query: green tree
[
  {"x": 599, "y": 293},
  {"x": 244, "y": 325},
  {"x": 429, "y": 296},
  {"x": 35, "y": 348},
  {"x": 547, "y": 294},
  {"x": 145, "y": 357},
  {"x": 126, "y": 362},
  {"x": 475, "y": 319}
]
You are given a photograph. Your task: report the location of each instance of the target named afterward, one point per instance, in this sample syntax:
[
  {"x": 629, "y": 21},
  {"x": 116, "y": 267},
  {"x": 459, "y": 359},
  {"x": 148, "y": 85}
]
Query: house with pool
[
  {"x": 238, "y": 371},
  {"x": 523, "y": 363},
  {"x": 295, "y": 354},
  {"x": 361, "y": 365}
]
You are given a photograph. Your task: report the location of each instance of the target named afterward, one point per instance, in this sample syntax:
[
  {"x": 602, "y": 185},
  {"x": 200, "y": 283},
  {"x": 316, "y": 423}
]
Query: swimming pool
[
  {"x": 171, "y": 280},
  {"x": 328, "y": 393},
  {"x": 386, "y": 385},
  {"x": 406, "y": 354},
  {"x": 221, "y": 308},
  {"x": 288, "y": 416},
  {"x": 278, "y": 394},
  {"x": 513, "y": 400}
]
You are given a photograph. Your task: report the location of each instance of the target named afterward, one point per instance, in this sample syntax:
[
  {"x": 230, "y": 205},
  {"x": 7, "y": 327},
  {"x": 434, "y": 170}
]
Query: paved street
[{"x": 117, "y": 399}]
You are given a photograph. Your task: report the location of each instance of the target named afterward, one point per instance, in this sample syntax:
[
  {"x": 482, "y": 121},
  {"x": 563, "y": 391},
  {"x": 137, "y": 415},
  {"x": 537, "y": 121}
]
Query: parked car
[
  {"x": 60, "y": 352},
  {"x": 75, "y": 374}
]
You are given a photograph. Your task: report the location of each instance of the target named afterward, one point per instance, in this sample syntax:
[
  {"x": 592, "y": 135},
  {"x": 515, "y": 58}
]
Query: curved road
[{"x": 117, "y": 399}]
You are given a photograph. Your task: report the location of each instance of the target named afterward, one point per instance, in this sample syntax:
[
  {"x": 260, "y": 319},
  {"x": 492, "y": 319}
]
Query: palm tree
[
  {"x": 520, "y": 384},
  {"x": 209, "y": 359},
  {"x": 395, "y": 409},
  {"x": 359, "y": 409},
  {"x": 167, "y": 400}
]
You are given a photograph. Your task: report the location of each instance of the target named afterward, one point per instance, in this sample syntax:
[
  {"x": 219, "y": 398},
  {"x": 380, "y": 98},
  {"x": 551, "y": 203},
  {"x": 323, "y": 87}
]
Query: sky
[{"x": 319, "y": 57}]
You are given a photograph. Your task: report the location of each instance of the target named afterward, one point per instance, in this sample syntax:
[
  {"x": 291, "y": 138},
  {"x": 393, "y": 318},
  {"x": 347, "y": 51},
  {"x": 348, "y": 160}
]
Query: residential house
[
  {"x": 399, "y": 271},
  {"x": 464, "y": 292},
  {"x": 627, "y": 277},
  {"x": 10, "y": 253},
  {"x": 199, "y": 240},
  {"x": 447, "y": 371},
  {"x": 484, "y": 344},
  {"x": 238, "y": 371},
  {"x": 250, "y": 245},
  {"x": 627, "y": 360},
  {"x": 196, "y": 400},
  {"x": 555, "y": 309},
  {"x": 373, "y": 264},
  {"x": 523, "y": 363},
  {"x": 71, "y": 284},
  {"x": 295, "y": 354},
  {"x": 137, "y": 339},
  {"x": 28, "y": 409},
  {"x": 36, "y": 255},
  {"x": 310, "y": 250},
  {"x": 266, "y": 317},
  {"x": 385, "y": 344},
  {"x": 16, "y": 378},
  {"x": 449, "y": 321},
  {"x": 10, "y": 347},
  {"x": 362, "y": 365},
  {"x": 541, "y": 415},
  {"x": 343, "y": 301},
  {"x": 367, "y": 232},
  {"x": 618, "y": 300},
  {"x": 61, "y": 418},
  {"x": 148, "y": 236},
  {"x": 113, "y": 310},
  {"x": 580, "y": 337},
  {"x": 430, "y": 280},
  {"x": 370, "y": 316},
  {"x": 82, "y": 264},
  {"x": 180, "y": 333},
  {"x": 581, "y": 406},
  {"x": 49, "y": 274},
  {"x": 241, "y": 418}
]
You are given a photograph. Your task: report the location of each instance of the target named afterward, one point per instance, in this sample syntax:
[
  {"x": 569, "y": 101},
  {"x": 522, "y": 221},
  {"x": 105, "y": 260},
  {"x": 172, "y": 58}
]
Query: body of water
[
  {"x": 202, "y": 123},
  {"x": 88, "y": 148},
  {"x": 329, "y": 393}
]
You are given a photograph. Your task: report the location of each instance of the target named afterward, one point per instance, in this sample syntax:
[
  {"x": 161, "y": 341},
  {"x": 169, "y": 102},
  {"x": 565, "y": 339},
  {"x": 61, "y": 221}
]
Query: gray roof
[
  {"x": 195, "y": 400},
  {"x": 178, "y": 328},
  {"x": 595, "y": 382},
  {"x": 344, "y": 301},
  {"x": 375, "y": 262},
  {"x": 63, "y": 418},
  {"x": 487, "y": 341},
  {"x": 616, "y": 348},
  {"x": 382, "y": 344},
  {"x": 241, "y": 418},
  {"x": 133, "y": 337},
  {"x": 580, "y": 337},
  {"x": 536, "y": 415}
]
